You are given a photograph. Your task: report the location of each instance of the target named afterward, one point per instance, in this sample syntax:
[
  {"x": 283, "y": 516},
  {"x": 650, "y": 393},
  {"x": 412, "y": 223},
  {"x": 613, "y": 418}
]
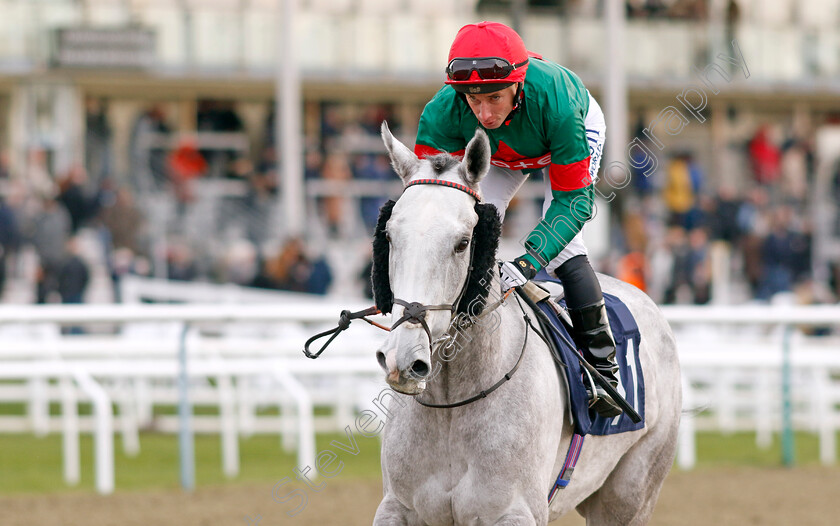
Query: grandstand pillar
[
  {"x": 615, "y": 85},
  {"x": 715, "y": 29},
  {"x": 187, "y": 115},
  {"x": 17, "y": 130},
  {"x": 287, "y": 124},
  {"x": 409, "y": 119},
  {"x": 518, "y": 11},
  {"x": 47, "y": 117},
  {"x": 720, "y": 174}
]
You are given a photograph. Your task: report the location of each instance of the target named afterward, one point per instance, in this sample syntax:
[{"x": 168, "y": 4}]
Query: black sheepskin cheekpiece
[
  {"x": 382, "y": 294},
  {"x": 485, "y": 243}
]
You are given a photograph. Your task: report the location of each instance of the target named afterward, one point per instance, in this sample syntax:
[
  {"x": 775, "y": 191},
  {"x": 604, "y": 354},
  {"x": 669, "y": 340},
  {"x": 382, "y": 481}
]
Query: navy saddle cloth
[{"x": 627, "y": 338}]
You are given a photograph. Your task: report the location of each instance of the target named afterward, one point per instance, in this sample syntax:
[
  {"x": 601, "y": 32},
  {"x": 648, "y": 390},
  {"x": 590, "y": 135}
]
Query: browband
[{"x": 450, "y": 184}]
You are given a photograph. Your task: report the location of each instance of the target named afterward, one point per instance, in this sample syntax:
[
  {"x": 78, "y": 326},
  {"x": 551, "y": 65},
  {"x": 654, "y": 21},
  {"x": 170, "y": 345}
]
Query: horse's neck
[{"x": 483, "y": 353}]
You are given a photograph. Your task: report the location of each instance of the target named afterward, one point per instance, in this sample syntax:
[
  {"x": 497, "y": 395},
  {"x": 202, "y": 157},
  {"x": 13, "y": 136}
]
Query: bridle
[
  {"x": 415, "y": 312},
  {"x": 508, "y": 375}
]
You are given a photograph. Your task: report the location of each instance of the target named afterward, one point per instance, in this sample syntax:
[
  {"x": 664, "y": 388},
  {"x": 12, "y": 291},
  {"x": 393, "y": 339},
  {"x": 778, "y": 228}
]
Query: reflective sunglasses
[{"x": 488, "y": 68}]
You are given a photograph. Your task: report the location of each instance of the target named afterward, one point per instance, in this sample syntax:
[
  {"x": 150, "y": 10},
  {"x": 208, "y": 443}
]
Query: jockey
[{"x": 537, "y": 114}]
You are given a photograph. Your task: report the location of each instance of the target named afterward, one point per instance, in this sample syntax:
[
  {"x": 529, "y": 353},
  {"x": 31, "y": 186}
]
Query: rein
[
  {"x": 416, "y": 312},
  {"x": 343, "y": 323},
  {"x": 505, "y": 378},
  {"x": 413, "y": 311}
]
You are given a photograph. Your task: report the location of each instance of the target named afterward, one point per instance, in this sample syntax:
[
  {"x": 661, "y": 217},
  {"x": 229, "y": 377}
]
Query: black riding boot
[
  {"x": 593, "y": 335},
  {"x": 592, "y": 328}
]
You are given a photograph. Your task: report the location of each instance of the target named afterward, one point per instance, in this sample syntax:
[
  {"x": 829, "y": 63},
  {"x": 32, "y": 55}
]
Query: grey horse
[{"x": 493, "y": 461}]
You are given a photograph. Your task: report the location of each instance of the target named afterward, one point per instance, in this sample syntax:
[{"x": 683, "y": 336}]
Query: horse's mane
[{"x": 443, "y": 162}]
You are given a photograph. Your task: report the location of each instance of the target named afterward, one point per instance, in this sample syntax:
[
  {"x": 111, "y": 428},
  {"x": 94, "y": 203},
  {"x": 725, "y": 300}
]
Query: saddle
[{"x": 574, "y": 378}]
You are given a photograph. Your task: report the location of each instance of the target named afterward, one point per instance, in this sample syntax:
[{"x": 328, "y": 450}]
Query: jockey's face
[{"x": 491, "y": 109}]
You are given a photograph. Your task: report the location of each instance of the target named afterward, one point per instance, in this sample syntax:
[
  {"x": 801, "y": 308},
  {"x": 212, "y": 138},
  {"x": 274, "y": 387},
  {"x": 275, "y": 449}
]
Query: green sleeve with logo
[{"x": 547, "y": 132}]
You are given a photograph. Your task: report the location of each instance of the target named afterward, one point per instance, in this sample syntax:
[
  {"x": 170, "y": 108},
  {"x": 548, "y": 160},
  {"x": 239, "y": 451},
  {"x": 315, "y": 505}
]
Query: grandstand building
[{"x": 132, "y": 88}]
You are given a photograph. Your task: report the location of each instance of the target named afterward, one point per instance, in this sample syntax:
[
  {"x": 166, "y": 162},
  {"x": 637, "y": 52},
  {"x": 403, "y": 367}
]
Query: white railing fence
[{"x": 744, "y": 368}]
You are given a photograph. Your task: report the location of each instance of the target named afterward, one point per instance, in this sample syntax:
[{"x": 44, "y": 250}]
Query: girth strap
[{"x": 572, "y": 457}]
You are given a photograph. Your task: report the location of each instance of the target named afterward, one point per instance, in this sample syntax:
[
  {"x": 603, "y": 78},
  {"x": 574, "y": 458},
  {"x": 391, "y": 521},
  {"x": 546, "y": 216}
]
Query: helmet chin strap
[{"x": 517, "y": 103}]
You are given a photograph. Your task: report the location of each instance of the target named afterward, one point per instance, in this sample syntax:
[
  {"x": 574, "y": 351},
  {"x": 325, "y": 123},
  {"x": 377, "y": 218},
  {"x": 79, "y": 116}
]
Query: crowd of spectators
[
  {"x": 675, "y": 221},
  {"x": 688, "y": 9},
  {"x": 672, "y": 9},
  {"x": 47, "y": 214},
  {"x": 48, "y": 217},
  {"x": 669, "y": 226}
]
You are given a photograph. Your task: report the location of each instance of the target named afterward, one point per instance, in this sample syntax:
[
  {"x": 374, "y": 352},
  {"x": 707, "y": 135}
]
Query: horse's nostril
[
  {"x": 380, "y": 357},
  {"x": 419, "y": 369}
]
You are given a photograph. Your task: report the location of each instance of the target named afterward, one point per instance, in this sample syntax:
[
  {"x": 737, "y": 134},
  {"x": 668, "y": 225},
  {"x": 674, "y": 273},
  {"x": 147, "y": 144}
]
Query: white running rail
[{"x": 711, "y": 340}]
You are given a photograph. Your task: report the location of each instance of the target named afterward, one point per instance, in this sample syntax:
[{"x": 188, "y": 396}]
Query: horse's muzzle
[{"x": 406, "y": 376}]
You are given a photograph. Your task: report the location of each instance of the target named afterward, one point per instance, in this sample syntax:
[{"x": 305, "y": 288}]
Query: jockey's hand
[{"x": 516, "y": 273}]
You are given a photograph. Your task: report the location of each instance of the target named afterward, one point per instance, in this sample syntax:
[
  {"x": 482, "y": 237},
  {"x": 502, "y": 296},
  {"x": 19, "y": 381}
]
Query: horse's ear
[
  {"x": 476, "y": 161},
  {"x": 379, "y": 279},
  {"x": 402, "y": 159},
  {"x": 485, "y": 240}
]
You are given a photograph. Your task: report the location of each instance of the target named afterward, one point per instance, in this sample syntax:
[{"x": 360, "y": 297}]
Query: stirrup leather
[{"x": 593, "y": 333}]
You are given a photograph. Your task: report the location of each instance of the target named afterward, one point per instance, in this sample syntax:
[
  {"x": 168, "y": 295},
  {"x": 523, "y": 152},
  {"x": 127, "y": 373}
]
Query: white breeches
[{"x": 501, "y": 184}]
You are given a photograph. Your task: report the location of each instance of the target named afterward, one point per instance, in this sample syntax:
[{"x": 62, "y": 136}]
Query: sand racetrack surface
[{"x": 712, "y": 496}]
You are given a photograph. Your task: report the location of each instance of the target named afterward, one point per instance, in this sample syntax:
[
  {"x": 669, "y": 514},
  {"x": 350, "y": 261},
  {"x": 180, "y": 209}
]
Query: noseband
[{"x": 415, "y": 312}]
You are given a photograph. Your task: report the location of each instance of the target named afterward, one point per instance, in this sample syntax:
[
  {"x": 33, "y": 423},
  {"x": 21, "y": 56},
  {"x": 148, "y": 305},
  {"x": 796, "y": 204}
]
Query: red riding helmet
[{"x": 486, "y": 57}]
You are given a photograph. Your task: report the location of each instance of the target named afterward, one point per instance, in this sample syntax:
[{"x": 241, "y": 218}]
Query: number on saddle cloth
[{"x": 627, "y": 339}]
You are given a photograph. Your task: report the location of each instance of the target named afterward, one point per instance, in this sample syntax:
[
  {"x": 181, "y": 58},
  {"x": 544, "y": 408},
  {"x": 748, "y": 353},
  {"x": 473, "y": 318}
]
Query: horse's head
[{"x": 433, "y": 252}]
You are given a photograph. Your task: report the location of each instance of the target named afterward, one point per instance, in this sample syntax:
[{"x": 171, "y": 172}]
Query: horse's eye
[{"x": 462, "y": 245}]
